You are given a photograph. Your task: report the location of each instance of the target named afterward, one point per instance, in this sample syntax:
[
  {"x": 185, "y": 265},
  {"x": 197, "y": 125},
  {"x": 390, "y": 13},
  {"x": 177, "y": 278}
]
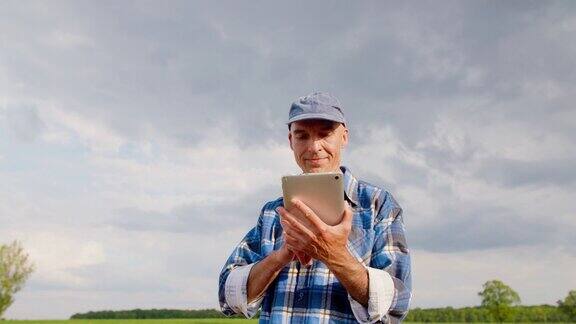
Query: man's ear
[
  {"x": 290, "y": 140},
  {"x": 344, "y": 137}
]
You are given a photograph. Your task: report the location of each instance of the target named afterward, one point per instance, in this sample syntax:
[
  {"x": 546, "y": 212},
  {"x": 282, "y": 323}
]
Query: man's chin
[{"x": 318, "y": 169}]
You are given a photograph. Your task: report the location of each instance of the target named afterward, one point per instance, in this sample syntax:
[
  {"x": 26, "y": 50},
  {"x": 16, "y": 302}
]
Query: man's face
[{"x": 317, "y": 144}]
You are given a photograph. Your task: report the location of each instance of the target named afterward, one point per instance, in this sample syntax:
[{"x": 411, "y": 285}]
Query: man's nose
[{"x": 315, "y": 146}]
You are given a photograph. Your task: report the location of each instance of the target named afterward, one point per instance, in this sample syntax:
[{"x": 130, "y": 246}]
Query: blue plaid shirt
[{"x": 314, "y": 294}]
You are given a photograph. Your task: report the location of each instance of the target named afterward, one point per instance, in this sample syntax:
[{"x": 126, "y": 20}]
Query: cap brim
[{"x": 315, "y": 116}]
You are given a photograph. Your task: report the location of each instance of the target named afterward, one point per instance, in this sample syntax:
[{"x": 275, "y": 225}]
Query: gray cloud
[
  {"x": 23, "y": 122},
  {"x": 558, "y": 172},
  {"x": 241, "y": 212},
  {"x": 186, "y": 68},
  {"x": 479, "y": 228},
  {"x": 104, "y": 277}
]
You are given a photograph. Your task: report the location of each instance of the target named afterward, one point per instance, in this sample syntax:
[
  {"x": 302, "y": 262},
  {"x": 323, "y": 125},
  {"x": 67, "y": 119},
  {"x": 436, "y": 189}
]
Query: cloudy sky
[{"x": 139, "y": 140}]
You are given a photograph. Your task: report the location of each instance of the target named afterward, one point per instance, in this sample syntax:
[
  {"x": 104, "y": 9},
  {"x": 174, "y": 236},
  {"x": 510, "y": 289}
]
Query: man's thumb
[{"x": 347, "y": 217}]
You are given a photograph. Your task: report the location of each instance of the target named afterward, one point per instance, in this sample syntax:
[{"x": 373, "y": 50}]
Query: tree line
[
  {"x": 500, "y": 303},
  {"x": 151, "y": 314},
  {"x": 523, "y": 314},
  {"x": 541, "y": 313}
]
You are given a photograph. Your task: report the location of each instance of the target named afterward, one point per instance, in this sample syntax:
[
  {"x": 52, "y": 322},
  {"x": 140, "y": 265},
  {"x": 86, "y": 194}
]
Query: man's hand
[
  {"x": 327, "y": 244},
  {"x": 319, "y": 241},
  {"x": 265, "y": 271},
  {"x": 284, "y": 255},
  {"x": 304, "y": 258}
]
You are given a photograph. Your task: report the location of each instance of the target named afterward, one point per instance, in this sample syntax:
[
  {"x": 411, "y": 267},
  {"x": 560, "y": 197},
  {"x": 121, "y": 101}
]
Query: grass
[
  {"x": 169, "y": 321},
  {"x": 152, "y": 321},
  {"x": 137, "y": 321}
]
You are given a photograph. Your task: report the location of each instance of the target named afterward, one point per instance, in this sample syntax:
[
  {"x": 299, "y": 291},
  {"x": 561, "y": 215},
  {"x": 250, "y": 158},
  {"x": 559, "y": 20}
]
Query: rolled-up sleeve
[
  {"x": 236, "y": 292},
  {"x": 234, "y": 275},
  {"x": 380, "y": 297}
]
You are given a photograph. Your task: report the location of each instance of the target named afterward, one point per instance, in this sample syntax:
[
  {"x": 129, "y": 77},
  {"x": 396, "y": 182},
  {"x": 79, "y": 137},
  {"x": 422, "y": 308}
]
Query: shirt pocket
[
  {"x": 360, "y": 243},
  {"x": 361, "y": 238}
]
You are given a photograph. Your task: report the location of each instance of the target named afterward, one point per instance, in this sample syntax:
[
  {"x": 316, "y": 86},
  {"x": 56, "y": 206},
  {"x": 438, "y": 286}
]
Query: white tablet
[{"x": 322, "y": 192}]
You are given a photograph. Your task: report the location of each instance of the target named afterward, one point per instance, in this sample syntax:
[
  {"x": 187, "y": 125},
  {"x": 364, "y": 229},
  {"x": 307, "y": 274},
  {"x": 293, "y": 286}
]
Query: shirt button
[{"x": 300, "y": 295}]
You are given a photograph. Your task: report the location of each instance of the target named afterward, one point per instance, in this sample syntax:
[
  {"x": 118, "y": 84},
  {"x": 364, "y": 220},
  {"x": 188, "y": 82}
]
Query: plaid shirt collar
[{"x": 350, "y": 186}]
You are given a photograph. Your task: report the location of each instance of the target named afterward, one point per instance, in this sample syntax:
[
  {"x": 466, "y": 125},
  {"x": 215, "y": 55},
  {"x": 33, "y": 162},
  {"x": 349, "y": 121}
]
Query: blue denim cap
[{"x": 317, "y": 105}]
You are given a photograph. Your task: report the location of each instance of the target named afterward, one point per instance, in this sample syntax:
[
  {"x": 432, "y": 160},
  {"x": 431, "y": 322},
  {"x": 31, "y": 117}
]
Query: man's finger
[
  {"x": 288, "y": 220},
  {"x": 293, "y": 243},
  {"x": 284, "y": 216},
  {"x": 347, "y": 215},
  {"x": 286, "y": 227},
  {"x": 296, "y": 233},
  {"x": 309, "y": 214},
  {"x": 296, "y": 225},
  {"x": 304, "y": 259}
]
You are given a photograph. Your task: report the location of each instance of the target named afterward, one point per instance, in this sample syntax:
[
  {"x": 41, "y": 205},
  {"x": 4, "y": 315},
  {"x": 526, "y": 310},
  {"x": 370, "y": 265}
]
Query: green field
[
  {"x": 157, "y": 321},
  {"x": 140, "y": 321}
]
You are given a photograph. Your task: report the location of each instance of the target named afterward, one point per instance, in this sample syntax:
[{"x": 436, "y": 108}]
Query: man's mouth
[{"x": 316, "y": 160}]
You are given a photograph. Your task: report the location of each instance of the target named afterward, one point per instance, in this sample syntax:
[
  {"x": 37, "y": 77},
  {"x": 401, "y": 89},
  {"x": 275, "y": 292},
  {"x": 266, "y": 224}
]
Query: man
[{"x": 355, "y": 271}]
